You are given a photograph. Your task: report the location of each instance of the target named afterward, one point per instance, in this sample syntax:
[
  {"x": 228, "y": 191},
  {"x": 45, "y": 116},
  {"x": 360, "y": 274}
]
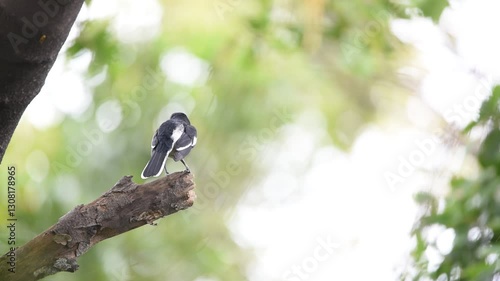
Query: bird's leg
[
  {"x": 185, "y": 165},
  {"x": 165, "y": 167}
]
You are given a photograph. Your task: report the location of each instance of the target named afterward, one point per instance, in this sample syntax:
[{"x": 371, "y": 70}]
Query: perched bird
[{"x": 175, "y": 138}]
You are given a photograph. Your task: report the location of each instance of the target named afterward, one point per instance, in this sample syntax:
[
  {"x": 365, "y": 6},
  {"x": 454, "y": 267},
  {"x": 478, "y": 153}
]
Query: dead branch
[{"x": 124, "y": 207}]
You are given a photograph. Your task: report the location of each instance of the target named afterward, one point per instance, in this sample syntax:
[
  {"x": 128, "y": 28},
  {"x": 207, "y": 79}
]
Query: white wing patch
[
  {"x": 193, "y": 142},
  {"x": 154, "y": 141},
  {"x": 182, "y": 148},
  {"x": 177, "y": 133}
]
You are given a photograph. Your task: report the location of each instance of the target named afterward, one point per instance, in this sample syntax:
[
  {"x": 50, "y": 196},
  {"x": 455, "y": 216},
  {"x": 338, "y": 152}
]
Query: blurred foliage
[
  {"x": 471, "y": 213},
  {"x": 430, "y": 8},
  {"x": 260, "y": 61}
]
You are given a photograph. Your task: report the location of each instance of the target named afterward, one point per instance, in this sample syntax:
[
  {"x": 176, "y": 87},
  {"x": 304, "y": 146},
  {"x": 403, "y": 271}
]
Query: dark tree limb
[
  {"x": 125, "y": 207},
  {"x": 31, "y": 34}
]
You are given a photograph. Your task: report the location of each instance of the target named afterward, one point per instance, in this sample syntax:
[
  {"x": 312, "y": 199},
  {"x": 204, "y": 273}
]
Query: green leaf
[
  {"x": 489, "y": 155},
  {"x": 490, "y": 108},
  {"x": 469, "y": 127},
  {"x": 431, "y": 8},
  {"x": 425, "y": 197}
]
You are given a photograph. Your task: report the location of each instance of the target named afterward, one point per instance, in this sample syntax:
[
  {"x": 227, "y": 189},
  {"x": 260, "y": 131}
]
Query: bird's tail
[{"x": 157, "y": 162}]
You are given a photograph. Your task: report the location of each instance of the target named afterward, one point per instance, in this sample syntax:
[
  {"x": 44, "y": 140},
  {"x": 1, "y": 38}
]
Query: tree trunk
[{"x": 31, "y": 35}]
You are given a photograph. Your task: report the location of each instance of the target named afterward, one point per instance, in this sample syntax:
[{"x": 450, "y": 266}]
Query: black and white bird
[{"x": 175, "y": 138}]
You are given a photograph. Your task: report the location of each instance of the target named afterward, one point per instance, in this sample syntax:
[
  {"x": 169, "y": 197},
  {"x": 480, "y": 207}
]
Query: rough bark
[
  {"x": 125, "y": 207},
  {"x": 31, "y": 35}
]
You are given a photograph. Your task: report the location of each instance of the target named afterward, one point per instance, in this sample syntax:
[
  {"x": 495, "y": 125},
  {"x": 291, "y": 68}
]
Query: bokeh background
[{"x": 338, "y": 140}]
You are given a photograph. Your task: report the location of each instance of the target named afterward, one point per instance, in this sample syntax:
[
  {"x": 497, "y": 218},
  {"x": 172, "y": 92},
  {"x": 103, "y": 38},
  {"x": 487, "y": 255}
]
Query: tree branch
[{"x": 124, "y": 207}]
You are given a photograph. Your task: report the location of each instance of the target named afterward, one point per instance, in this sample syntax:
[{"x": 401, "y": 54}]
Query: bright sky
[
  {"x": 346, "y": 198},
  {"x": 341, "y": 219}
]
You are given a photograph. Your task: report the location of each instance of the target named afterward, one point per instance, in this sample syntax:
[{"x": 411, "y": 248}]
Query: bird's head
[{"x": 180, "y": 117}]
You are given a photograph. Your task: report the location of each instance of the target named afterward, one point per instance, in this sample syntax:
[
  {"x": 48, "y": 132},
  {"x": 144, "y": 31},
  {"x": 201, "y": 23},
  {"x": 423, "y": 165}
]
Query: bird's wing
[
  {"x": 154, "y": 141},
  {"x": 178, "y": 155},
  {"x": 187, "y": 139},
  {"x": 191, "y": 131}
]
